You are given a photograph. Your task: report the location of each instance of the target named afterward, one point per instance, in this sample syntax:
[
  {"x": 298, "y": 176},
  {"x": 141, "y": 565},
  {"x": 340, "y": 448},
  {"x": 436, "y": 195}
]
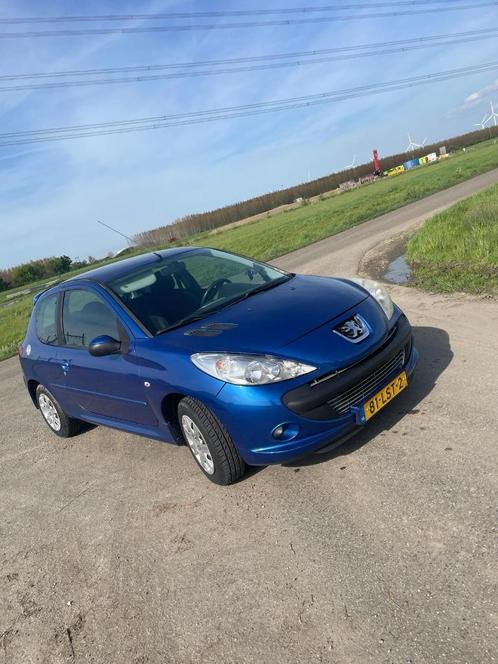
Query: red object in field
[{"x": 376, "y": 163}]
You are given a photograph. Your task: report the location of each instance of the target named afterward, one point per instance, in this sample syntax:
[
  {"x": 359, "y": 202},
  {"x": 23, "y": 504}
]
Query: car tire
[
  {"x": 56, "y": 419},
  {"x": 209, "y": 442}
]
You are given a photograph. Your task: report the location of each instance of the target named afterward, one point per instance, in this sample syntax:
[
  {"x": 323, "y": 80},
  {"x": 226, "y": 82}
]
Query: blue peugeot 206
[{"x": 244, "y": 363}]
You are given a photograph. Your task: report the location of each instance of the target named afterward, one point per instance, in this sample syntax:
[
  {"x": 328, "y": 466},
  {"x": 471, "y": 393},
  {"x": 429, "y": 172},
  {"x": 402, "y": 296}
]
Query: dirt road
[{"x": 115, "y": 549}]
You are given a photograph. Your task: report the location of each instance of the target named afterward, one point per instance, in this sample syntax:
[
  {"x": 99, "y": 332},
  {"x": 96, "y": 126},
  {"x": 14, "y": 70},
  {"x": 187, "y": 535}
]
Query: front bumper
[
  {"x": 338, "y": 432},
  {"x": 318, "y": 409}
]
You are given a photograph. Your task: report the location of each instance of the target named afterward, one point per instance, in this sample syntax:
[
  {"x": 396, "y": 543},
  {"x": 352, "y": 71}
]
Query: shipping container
[{"x": 412, "y": 163}]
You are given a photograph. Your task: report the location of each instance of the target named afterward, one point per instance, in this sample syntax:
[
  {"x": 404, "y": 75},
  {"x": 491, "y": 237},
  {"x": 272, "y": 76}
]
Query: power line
[
  {"x": 341, "y": 53},
  {"x": 243, "y": 69},
  {"x": 227, "y": 113},
  {"x": 223, "y": 13},
  {"x": 247, "y": 24},
  {"x": 248, "y": 59}
]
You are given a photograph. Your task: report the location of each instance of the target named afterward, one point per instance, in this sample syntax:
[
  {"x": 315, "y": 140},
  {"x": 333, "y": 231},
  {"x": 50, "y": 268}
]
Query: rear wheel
[
  {"x": 54, "y": 416},
  {"x": 209, "y": 442}
]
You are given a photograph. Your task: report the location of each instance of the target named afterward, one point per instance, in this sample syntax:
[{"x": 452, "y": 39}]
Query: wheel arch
[
  {"x": 169, "y": 408},
  {"x": 32, "y": 387}
]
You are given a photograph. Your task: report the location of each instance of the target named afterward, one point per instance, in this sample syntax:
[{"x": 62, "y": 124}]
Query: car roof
[{"x": 122, "y": 267}]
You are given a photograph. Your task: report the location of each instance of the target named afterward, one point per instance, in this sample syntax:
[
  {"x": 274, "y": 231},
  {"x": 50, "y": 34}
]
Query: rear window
[{"x": 46, "y": 320}]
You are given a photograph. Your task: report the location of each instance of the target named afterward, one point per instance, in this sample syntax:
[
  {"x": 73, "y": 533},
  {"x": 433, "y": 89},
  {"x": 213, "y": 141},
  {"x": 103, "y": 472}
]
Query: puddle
[{"x": 398, "y": 272}]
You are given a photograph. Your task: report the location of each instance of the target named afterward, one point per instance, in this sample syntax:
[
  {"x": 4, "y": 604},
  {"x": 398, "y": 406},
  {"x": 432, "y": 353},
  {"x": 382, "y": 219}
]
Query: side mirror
[{"x": 104, "y": 345}]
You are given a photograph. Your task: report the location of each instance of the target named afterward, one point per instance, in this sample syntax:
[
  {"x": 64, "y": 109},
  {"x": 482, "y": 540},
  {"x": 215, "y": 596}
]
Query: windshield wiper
[
  {"x": 264, "y": 287},
  {"x": 181, "y": 323}
]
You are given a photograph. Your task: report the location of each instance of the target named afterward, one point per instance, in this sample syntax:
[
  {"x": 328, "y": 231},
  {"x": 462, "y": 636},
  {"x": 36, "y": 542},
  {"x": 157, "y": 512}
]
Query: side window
[
  {"x": 46, "y": 320},
  {"x": 85, "y": 317}
]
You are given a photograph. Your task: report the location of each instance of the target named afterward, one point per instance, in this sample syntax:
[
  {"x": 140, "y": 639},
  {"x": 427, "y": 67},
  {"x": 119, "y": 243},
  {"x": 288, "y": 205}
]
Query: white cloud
[{"x": 479, "y": 95}]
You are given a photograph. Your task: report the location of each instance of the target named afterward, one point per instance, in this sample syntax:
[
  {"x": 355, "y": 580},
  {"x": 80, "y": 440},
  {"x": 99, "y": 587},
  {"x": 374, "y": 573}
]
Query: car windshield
[{"x": 191, "y": 285}]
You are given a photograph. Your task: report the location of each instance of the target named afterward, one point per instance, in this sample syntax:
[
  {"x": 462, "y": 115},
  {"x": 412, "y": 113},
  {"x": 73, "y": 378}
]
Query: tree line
[
  {"x": 36, "y": 270},
  {"x": 206, "y": 221}
]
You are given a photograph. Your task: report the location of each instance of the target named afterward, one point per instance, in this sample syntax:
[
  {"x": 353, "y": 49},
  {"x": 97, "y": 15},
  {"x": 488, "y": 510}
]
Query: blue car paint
[{"x": 294, "y": 320}]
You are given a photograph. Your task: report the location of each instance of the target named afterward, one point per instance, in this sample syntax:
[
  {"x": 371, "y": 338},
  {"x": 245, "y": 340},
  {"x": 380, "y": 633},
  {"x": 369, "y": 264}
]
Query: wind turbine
[
  {"x": 483, "y": 122},
  {"x": 352, "y": 164},
  {"x": 493, "y": 115},
  {"x": 412, "y": 145}
]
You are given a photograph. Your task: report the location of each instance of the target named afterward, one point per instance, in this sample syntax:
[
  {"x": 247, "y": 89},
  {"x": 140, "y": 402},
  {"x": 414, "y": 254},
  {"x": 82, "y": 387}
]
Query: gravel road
[{"x": 115, "y": 549}]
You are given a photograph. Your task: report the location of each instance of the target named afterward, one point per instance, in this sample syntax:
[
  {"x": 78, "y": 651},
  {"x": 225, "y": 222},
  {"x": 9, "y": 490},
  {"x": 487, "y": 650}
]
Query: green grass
[
  {"x": 274, "y": 236},
  {"x": 457, "y": 250},
  {"x": 268, "y": 238},
  {"x": 13, "y": 320}
]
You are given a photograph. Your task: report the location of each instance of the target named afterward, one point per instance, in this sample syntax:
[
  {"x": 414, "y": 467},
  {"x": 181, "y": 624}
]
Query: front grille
[
  {"x": 359, "y": 393},
  {"x": 333, "y": 395},
  {"x": 335, "y": 373}
]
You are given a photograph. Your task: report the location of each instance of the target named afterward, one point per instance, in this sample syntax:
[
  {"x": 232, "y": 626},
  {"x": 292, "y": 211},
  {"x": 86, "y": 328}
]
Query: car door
[{"x": 107, "y": 387}]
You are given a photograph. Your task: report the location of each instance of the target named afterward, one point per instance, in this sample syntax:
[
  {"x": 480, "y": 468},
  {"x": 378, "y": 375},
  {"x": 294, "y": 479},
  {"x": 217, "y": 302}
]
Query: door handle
[{"x": 65, "y": 366}]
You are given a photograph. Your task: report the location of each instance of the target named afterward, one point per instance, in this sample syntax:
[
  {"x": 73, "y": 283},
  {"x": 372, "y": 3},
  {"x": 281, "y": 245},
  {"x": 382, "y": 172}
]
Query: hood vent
[{"x": 212, "y": 330}]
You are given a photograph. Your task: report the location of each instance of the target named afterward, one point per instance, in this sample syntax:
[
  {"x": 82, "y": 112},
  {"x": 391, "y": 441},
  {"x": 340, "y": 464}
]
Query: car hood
[{"x": 268, "y": 321}]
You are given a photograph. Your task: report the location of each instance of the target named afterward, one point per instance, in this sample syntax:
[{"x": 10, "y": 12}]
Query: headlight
[
  {"x": 249, "y": 369},
  {"x": 378, "y": 292}
]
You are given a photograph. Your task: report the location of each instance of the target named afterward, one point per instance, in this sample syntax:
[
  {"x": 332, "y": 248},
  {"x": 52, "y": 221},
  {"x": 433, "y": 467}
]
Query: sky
[{"x": 52, "y": 194}]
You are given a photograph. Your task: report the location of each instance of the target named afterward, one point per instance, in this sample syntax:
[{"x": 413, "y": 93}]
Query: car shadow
[
  {"x": 433, "y": 345},
  {"x": 85, "y": 427}
]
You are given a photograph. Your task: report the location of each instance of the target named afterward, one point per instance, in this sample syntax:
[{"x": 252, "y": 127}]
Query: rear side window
[
  {"x": 46, "y": 320},
  {"x": 84, "y": 317}
]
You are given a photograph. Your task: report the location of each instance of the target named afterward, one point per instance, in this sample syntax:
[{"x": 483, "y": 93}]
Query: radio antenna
[{"x": 115, "y": 231}]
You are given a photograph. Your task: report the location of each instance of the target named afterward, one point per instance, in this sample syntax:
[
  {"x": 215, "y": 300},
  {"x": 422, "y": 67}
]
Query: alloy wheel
[
  {"x": 197, "y": 444},
  {"x": 49, "y": 412}
]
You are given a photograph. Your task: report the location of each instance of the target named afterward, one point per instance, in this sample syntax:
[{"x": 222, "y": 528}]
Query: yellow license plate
[{"x": 385, "y": 395}]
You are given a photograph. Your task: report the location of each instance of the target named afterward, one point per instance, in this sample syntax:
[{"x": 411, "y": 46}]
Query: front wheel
[{"x": 209, "y": 442}]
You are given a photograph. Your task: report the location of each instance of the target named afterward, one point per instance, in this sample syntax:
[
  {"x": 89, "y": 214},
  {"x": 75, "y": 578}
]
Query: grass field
[
  {"x": 13, "y": 319},
  {"x": 268, "y": 238},
  {"x": 274, "y": 236},
  {"x": 457, "y": 250}
]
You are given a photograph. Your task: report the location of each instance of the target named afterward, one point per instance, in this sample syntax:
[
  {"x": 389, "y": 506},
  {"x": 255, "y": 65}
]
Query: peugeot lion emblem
[{"x": 354, "y": 329}]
